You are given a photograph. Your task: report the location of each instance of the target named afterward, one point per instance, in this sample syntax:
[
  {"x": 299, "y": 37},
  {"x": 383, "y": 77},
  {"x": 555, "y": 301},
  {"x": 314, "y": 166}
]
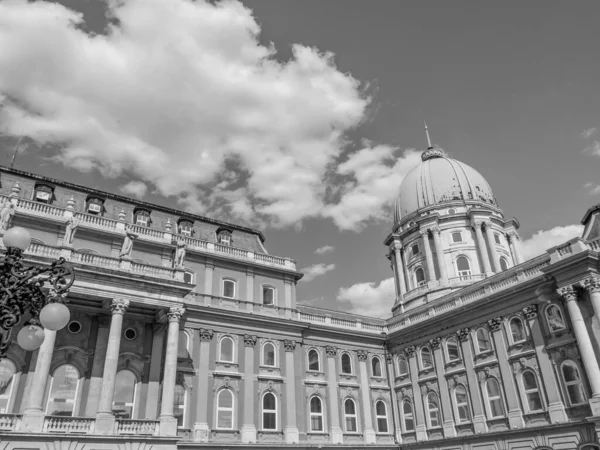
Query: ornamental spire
[{"x": 429, "y": 146}]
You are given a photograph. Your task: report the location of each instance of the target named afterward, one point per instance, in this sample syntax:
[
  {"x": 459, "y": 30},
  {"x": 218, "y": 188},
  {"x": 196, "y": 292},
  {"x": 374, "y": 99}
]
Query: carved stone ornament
[
  {"x": 435, "y": 342},
  {"x": 568, "y": 293},
  {"x": 388, "y": 357},
  {"x": 406, "y": 392},
  {"x": 463, "y": 334},
  {"x": 206, "y": 335},
  {"x": 530, "y": 311},
  {"x": 424, "y": 233},
  {"x": 435, "y": 230},
  {"x": 487, "y": 372},
  {"x": 249, "y": 340},
  {"x": 525, "y": 363},
  {"x": 457, "y": 379},
  {"x": 429, "y": 386},
  {"x": 330, "y": 351},
  {"x": 175, "y": 313},
  {"x": 494, "y": 324},
  {"x": 362, "y": 355},
  {"x": 410, "y": 350},
  {"x": 119, "y": 305},
  {"x": 591, "y": 284},
  {"x": 289, "y": 346},
  {"x": 476, "y": 224}
]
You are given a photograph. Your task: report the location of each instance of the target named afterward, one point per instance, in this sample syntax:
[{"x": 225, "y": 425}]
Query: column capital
[
  {"x": 362, "y": 355},
  {"x": 205, "y": 334},
  {"x": 494, "y": 324},
  {"x": 424, "y": 232},
  {"x": 568, "y": 293},
  {"x": 410, "y": 350},
  {"x": 476, "y": 224},
  {"x": 435, "y": 230},
  {"x": 435, "y": 342},
  {"x": 175, "y": 313},
  {"x": 463, "y": 334},
  {"x": 119, "y": 305},
  {"x": 530, "y": 311},
  {"x": 249, "y": 340},
  {"x": 330, "y": 351},
  {"x": 591, "y": 284},
  {"x": 396, "y": 246},
  {"x": 289, "y": 345}
]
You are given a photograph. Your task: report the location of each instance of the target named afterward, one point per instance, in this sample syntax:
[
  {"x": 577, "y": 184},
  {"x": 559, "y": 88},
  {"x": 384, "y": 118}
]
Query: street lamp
[{"x": 21, "y": 291}]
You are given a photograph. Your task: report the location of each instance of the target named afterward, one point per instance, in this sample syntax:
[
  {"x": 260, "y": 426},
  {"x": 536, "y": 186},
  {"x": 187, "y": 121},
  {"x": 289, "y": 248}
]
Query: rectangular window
[
  {"x": 94, "y": 208},
  {"x": 497, "y": 238},
  {"x": 415, "y": 250},
  {"x": 457, "y": 236},
  {"x": 268, "y": 296},
  {"x": 229, "y": 288},
  {"x": 42, "y": 196},
  {"x": 142, "y": 219}
]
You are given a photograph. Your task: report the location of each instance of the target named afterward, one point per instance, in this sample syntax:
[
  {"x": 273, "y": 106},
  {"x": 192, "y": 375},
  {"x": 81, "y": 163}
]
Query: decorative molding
[
  {"x": 424, "y": 233},
  {"x": 530, "y": 312},
  {"x": 494, "y": 324},
  {"x": 529, "y": 362},
  {"x": 489, "y": 371},
  {"x": 249, "y": 340},
  {"x": 289, "y": 346},
  {"x": 410, "y": 350},
  {"x": 119, "y": 305},
  {"x": 476, "y": 224},
  {"x": 568, "y": 293},
  {"x": 330, "y": 351},
  {"x": 175, "y": 313},
  {"x": 463, "y": 334},
  {"x": 205, "y": 334},
  {"x": 362, "y": 355},
  {"x": 591, "y": 284},
  {"x": 388, "y": 357},
  {"x": 435, "y": 343},
  {"x": 435, "y": 230}
]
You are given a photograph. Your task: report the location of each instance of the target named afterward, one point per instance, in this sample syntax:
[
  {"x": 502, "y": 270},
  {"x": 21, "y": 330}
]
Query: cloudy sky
[{"x": 302, "y": 117}]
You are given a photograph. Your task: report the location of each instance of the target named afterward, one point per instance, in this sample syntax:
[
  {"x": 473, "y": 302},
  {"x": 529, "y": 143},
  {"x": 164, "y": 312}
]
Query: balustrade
[
  {"x": 10, "y": 422},
  {"x": 60, "y": 424},
  {"x": 137, "y": 427}
]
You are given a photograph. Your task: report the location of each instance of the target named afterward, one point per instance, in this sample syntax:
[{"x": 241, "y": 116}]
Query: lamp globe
[
  {"x": 17, "y": 237},
  {"x": 55, "y": 316},
  {"x": 30, "y": 337}
]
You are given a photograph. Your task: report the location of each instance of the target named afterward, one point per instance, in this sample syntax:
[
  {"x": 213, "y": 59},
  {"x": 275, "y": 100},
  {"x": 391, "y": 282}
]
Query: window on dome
[
  {"x": 503, "y": 263},
  {"x": 463, "y": 267},
  {"x": 451, "y": 211},
  {"x": 415, "y": 249},
  {"x": 420, "y": 276},
  {"x": 457, "y": 236},
  {"x": 497, "y": 238}
]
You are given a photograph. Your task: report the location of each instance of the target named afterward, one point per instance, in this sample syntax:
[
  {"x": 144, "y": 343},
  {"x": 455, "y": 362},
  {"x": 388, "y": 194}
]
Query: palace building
[{"x": 186, "y": 333}]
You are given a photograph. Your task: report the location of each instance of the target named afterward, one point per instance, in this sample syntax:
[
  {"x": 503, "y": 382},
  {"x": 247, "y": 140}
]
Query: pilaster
[
  {"x": 208, "y": 277},
  {"x": 337, "y": 436},
  {"x": 201, "y": 428},
  {"x": 448, "y": 425},
  {"x": 483, "y": 254},
  {"x": 479, "y": 421},
  {"x": 420, "y": 428},
  {"x": 249, "y": 427},
  {"x": 439, "y": 252},
  {"x": 428, "y": 255},
  {"x": 391, "y": 370},
  {"x": 492, "y": 246},
  {"x": 292, "y": 435},
  {"x": 368, "y": 431}
]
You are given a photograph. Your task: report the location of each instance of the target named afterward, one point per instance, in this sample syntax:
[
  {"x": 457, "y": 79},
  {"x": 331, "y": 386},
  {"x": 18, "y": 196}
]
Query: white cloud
[
  {"x": 316, "y": 270},
  {"x": 324, "y": 249},
  {"x": 586, "y": 134},
  {"x": 135, "y": 188},
  {"x": 182, "y": 96},
  {"x": 544, "y": 239},
  {"x": 594, "y": 189},
  {"x": 593, "y": 148},
  {"x": 370, "y": 299}
]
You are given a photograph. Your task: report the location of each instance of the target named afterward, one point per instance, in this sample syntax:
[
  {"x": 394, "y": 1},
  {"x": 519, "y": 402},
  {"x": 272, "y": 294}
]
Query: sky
[{"x": 300, "y": 118}]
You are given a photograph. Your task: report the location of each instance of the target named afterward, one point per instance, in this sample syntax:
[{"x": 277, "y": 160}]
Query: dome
[{"x": 439, "y": 179}]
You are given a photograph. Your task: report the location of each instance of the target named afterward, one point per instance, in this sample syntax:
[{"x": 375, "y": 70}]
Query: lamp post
[{"x": 22, "y": 291}]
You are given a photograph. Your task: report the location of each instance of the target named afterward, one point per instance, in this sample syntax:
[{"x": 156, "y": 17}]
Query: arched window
[
  {"x": 269, "y": 409},
  {"x": 64, "y": 388},
  {"x": 462, "y": 404},
  {"x": 7, "y": 374},
  {"x": 381, "y": 414},
  {"x": 183, "y": 346},
  {"x": 225, "y": 410},
  {"x": 452, "y": 349},
  {"x": 517, "y": 331},
  {"x": 269, "y": 354},
  {"x": 124, "y": 398},
  {"x": 228, "y": 288},
  {"x": 316, "y": 414},
  {"x": 589, "y": 447},
  {"x": 313, "y": 360},
  {"x": 402, "y": 366},
  {"x": 268, "y": 295},
  {"x": 494, "y": 398},
  {"x": 346, "y": 363},
  {"x": 179, "y": 404},
  {"x": 350, "y": 416},
  {"x": 226, "y": 350},
  {"x": 433, "y": 410},
  {"x": 420, "y": 276},
  {"x": 573, "y": 383},
  {"x": 503, "y": 263},
  {"x": 426, "y": 360},
  {"x": 463, "y": 267},
  {"x": 555, "y": 318},
  {"x": 483, "y": 340},
  {"x": 530, "y": 387},
  {"x": 376, "y": 366},
  {"x": 407, "y": 416}
]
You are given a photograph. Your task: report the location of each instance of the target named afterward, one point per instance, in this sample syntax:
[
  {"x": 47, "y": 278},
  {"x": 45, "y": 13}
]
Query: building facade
[{"x": 185, "y": 332}]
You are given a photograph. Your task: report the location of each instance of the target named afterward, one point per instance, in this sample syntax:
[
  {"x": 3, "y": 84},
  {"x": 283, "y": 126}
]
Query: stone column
[
  {"x": 447, "y": 414},
  {"x": 95, "y": 387},
  {"x": 208, "y": 277},
  {"x": 405, "y": 267},
  {"x": 391, "y": 374},
  {"x": 33, "y": 416},
  {"x": 292, "y": 435},
  {"x": 492, "y": 246},
  {"x": 337, "y": 436},
  {"x": 556, "y": 408},
  {"x": 479, "y": 420},
  {"x": 249, "y": 427},
  {"x": 418, "y": 412},
  {"x": 399, "y": 270},
  {"x": 590, "y": 362},
  {"x": 168, "y": 422},
  {"x": 592, "y": 286},
  {"x": 201, "y": 428},
  {"x": 483, "y": 254},
  {"x": 158, "y": 336},
  {"x": 428, "y": 255},
  {"x": 515, "y": 415},
  {"x": 515, "y": 245},
  {"x": 439, "y": 251},
  {"x": 105, "y": 419},
  {"x": 368, "y": 431}
]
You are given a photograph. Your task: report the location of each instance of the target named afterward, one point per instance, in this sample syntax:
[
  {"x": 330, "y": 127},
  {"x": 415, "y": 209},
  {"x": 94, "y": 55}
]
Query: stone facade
[{"x": 208, "y": 348}]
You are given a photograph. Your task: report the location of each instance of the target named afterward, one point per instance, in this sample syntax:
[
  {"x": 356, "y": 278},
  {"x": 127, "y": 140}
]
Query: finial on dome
[{"x": 429, "y": 146}]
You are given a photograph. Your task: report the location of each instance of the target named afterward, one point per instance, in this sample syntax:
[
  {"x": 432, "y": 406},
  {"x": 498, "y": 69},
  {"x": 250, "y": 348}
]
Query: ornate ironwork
[{"x": 26, "y": 288}]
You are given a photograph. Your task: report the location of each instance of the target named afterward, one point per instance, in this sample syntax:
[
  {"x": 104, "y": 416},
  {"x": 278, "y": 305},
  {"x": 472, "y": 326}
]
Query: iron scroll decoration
[{"x": 26, "y": 288}]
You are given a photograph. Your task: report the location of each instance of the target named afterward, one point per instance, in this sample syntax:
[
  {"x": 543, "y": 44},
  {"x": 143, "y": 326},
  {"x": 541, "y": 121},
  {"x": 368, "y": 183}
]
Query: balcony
[{"x": 107, "y": 225}]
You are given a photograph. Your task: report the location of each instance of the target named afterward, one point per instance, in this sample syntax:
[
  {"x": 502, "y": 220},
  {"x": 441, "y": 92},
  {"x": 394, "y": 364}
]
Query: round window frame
[
  {"x": 74, "y": 322},
  {"x": 134, "y": 334}
]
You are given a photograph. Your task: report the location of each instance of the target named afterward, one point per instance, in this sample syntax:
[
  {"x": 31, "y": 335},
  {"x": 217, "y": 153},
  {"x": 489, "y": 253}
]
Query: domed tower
[{"x": 448, "y": 232}]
